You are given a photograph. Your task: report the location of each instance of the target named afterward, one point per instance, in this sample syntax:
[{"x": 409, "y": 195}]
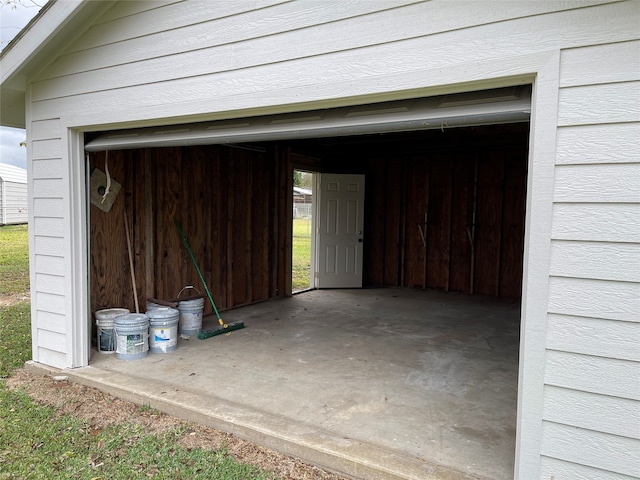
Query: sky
[{"x": 12, "y": 20}]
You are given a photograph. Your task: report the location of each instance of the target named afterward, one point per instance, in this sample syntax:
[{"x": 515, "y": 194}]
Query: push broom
[{"x": 223, "y": 327}]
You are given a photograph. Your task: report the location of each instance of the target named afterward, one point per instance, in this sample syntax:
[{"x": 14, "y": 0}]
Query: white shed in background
[{"x": 13, "y": 195}]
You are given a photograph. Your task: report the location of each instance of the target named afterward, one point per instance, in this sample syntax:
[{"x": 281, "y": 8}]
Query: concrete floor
[{"x": 373, "y": 383}]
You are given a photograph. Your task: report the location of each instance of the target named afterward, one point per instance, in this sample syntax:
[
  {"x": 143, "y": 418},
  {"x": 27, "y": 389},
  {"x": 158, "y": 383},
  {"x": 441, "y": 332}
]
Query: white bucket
[
  {"x": 151, "y": 305},
  {"x": 104, "y": 322},
  {"x": 132, "y": 336},
  {"x": 191, "y": 316},
  {"x": 163, "y": 329}
]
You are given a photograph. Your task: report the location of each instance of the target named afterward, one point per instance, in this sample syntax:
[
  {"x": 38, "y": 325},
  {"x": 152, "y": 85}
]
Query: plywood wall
[
  {"x": 444, "y": 189},
  {"x": 226, "y": 200},
  {"x": 443, "y": 177}
]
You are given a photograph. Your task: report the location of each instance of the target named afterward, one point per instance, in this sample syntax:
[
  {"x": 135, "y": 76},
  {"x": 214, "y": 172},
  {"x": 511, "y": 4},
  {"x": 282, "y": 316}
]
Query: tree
[
  {"x": 21, "y": 3},
  {"x": 19, "y": 14},
  {"x": 306, "y": 180},
  {"x": 302, "y": 179},
  {"x": 297, "y": 178}
]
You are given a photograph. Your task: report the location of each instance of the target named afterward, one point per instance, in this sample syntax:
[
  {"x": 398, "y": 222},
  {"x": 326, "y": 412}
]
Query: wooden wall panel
[
  {"x": 110, "y": 279},
  {"x": 439, "y": 221},
  {"x": 237, "y": 229},
  {"x": 374, "y": 225},
  {"x": 219, "y": 228},
  {"x": 461, "y": 222},
  {"x": 135, "y": 199},
  {"x": 435, "y": 172},
  {"x": 173, "y": 266},
  {"x": 210, "y": 188},
  {"x": 515, "y": 181},
  {"x": 415, "y": 239},
  {"x": 488, "y": 219},
  {"x": 194, "y": 214},
  {"x": 259, "y": 231},
  {"x": 224, "y": 200},
  {"x": 392, "y": 222}
]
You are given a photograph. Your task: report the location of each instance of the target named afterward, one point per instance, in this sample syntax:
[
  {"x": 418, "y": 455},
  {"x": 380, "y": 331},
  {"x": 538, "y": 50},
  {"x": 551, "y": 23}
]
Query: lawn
[
  {"x": 38, "y": 441},
  {"x": 14, "y": 259},
  {"x": 15, "y": 324},
  {"x": 301, "y": 254}
]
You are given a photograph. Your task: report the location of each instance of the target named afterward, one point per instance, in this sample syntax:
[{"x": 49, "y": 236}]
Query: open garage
[
  {"x": 418, "y": 364},
  {"x": 443, "y": 204}
]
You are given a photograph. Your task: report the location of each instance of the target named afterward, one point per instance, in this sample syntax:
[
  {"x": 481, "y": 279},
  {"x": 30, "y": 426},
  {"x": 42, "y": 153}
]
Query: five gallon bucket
[
  {"x": 163, "y": 329},
  {"x": 151, "y": 305},
  {"x": 106, "y": 335},
  {"x": 191, "y": 316},
  {"x": 132, "y": 336}
]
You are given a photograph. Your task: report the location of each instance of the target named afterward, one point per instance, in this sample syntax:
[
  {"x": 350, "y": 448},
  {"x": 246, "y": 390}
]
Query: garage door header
[{"x": 504, "y": 105}]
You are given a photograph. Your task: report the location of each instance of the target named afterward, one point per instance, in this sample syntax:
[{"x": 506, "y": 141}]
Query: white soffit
[{"x": 486, "y": 107}]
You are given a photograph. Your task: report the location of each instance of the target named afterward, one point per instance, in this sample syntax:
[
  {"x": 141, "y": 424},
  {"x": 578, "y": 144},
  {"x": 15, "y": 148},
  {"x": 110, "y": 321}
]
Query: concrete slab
[{"x": 372, "y": 383}]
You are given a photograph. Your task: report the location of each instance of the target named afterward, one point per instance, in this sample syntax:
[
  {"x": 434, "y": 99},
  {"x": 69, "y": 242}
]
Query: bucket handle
[{"x": 189, "y": 286}]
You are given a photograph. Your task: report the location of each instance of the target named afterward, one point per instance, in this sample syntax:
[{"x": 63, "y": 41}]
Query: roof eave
[
  {"x": 13, "y": 107},
  {"x": 36, "y": 46}
]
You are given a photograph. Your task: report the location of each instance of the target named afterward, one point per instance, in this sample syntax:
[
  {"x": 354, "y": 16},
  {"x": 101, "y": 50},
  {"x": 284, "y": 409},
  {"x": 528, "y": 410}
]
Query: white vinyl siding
[
  {"x": 592, "y": 411},
  {"x": 589, "y": 373},
  {"x": 617, "y": 183},
  {"x": 597, "y": 104},
  {"x": 163, "y": 62},
  {"x": 596, "y": 260},
  {"x": 614, "y": 454},
  {"x": 327, "y": 58},
  {"x": 597, "y": 222},
  {"x": 600, "y": 143},
  {"x": 241, "y": 40},
  {"x": 557, "y": 469},
  {"x": 593, "y": 336},
  {"x": 592, "y": 395}
]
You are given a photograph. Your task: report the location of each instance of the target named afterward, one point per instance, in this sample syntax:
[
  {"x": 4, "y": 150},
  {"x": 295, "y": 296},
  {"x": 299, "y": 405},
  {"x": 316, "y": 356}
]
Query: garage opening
[{"x": 437, "y": 322}]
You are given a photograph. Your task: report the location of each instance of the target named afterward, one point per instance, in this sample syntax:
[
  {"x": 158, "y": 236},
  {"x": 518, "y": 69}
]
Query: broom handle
[
  {"x": 133, "y": 273},
  {"x": 193, "y": 259}
]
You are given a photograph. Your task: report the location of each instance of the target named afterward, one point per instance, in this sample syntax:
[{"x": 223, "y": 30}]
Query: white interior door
[{"x": 340, "y": 231}]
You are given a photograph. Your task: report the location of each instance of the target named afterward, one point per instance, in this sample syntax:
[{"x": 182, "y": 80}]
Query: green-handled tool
[{"x": 223, "y": 327}]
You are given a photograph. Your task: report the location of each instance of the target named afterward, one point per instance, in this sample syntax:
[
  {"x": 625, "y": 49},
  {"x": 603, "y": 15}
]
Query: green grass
[
  {"x": 301, "y": 254},
  {"x": 15, "y": 322},
  {"x": 14, "y": 259},
  {"x": 38, "y": 442},
  {"x": 15, "y": 337}
]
